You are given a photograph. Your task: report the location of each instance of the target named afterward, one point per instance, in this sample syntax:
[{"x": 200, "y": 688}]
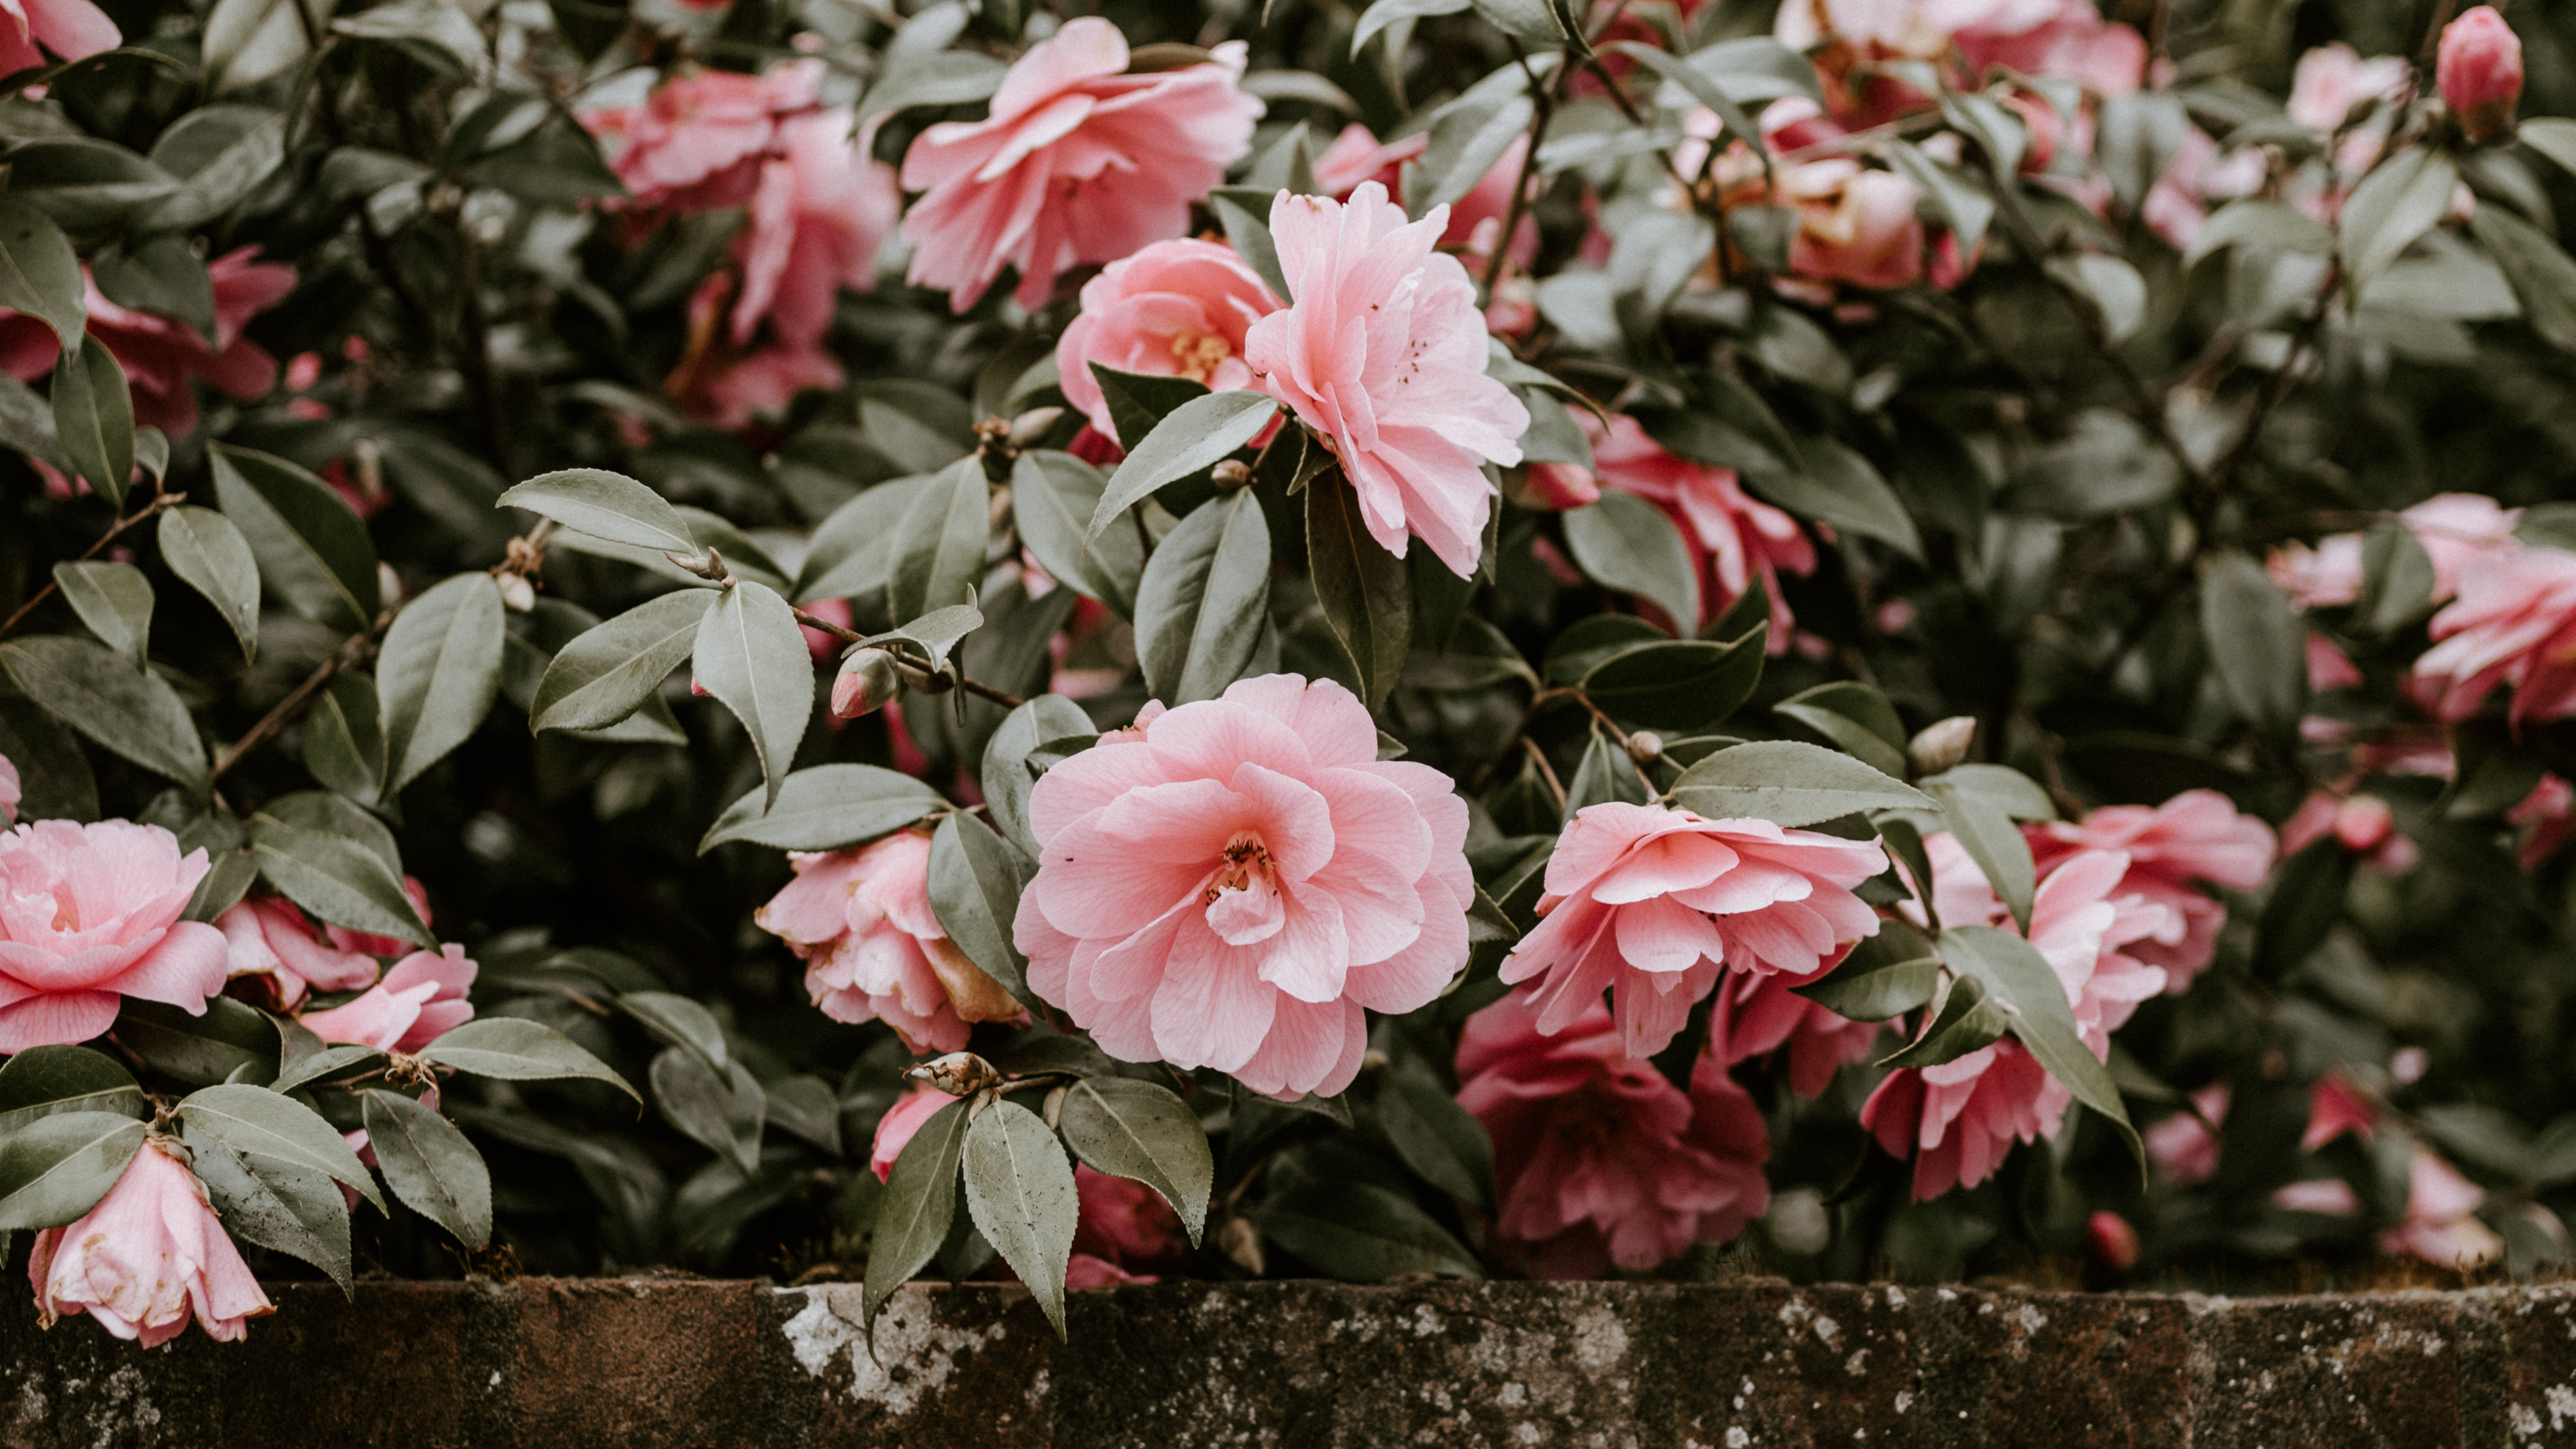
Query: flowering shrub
[{"x": 1439, "y": 637}]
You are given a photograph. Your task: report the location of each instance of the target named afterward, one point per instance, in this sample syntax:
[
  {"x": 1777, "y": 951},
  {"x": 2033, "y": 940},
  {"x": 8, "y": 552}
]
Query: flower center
[
  {"x": 1242, "y": 896},
  {"x": 1243, "y": 855},
  {"x": 1199, "y": 354}
]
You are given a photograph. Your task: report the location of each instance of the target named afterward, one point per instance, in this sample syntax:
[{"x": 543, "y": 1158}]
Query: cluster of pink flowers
[{"x": 874, "y": 950}]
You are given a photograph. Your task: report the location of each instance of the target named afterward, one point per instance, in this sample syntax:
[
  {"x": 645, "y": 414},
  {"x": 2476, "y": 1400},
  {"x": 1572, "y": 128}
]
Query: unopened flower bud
[
  {"x": 1032, "y": 425},
  {"x": 2480, "y": 71},
  {"x": 2112, "y": 1242},
  {"x": 1241, "y": 1244},
  {"x": 389, "y": 586},
  {"x": 1645, "y": 747},
  {"x": 959, "y": 1074},
  {"x": 517, "y": 594},
  {"x": 1230, "y": 474},
  {"x": 1941, "y": 745},
  {"x": 866, "y": 683}
]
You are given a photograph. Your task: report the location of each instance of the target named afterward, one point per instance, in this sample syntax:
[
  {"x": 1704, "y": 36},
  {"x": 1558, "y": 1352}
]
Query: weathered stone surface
[{"x": 1757, "y": 1364}]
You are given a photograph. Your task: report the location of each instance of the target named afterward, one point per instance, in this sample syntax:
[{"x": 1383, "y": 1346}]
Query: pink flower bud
[
  {"x": 2480, "y": 70},
  {"x": 2112, "y": 1242},
  {"x": 866, "y": 682}
]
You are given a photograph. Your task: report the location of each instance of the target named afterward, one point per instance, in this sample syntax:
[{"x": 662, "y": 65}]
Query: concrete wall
[{"x": 539, "y": 1363}]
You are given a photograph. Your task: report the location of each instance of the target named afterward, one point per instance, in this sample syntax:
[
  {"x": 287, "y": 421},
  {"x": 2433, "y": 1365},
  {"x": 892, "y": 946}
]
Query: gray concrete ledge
[{"x": 1755, "y": 1364}]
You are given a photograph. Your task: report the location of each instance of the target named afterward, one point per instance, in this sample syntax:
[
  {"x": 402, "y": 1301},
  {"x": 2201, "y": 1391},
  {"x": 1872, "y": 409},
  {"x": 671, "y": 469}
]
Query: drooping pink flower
[
  {"x": 147, "y": 1258},
  {"x": 1960, "y": 1118},
  {"x": 2514, "y": 622},
  {"x": 1739, "y": 537},
  {"x": 819, "y": 211},
  {"x": 268, "y": 938},
  {"x": 1756, "y": 1015},
  {"x": 367, "y": 943},
  {"x": 161, "y": 355},
  {"x": 1855, "y": 224},
  {"x": 901, "y": 1120},
  {"x": 2193, "y": 840},
  {"x": 1383, "y": 353},
  {"x": 699, "y": 140},
  {"x": 873, "y": 949},
  {"x": 1651, "y": 903},
  {"x": 68, "y": 29},
  {"x": 2324, "y": 576},
  {"x": 1601, "y": 1161},
  {"x": 1229, "y": 883},
  {"x": 2067, "y": 39},
  {"x": 2479, "y": 68},
  {"x": 1077, "y": 162},
  {"x": 1174, "y": 309},
  {"x": 2184, "y": 1146},
  {"x": 90, "y": 914},
  {"x": 2441, "y": 1224},
  {"x": 420, "y": 1000},
  {"x": 1127, "y": 1225},
  {"x": 10, "y": 791}
]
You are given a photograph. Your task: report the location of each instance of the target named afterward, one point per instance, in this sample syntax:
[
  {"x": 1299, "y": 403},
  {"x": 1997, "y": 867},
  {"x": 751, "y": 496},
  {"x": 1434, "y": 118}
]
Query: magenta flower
[
  {"x": 2193, "y": 840},
  {"x": 419, "y": 1000},
  {"x": 1651, "y": 903},
  {"x": 268, "y": 937},
  {"x": 2479, "y": 68},
  {"x": 1229, "y": 883},
  {"x": 1077, "y": 162},
  {"x": 147, "y": 1258},
  {"x": 1600, "y": 1160},
  {"x": 873, "y": 948},
  {"x": 1175, "y": 309},
  {"x": 90, "y": 914},
  {"x": 1383, "y": 354}
]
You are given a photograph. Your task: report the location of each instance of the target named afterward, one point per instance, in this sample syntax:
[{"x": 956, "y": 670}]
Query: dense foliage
[{"x": 1697, "y": 607}]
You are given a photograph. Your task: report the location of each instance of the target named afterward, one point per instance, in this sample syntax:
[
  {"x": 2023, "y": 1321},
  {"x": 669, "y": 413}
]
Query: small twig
[
  {"x": 1546, "y": 771},
  {"x": 277, "y": 719},
  {"x": 159, "y": 502},
  {"x": 852, "y": 636},
  {"x": 1544, "y": 99}
]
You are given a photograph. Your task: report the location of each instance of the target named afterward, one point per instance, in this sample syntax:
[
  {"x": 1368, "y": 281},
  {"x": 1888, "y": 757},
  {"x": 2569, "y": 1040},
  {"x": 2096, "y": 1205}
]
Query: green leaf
[
  {"x": 433, "y": 24},
  {"x": 1843, "y": 488},
  {"x": 1139, "y": 401},
  {"x": 128, "y": 711},
  {"x": 1788, "y": 783},
  {"x": 203, "y": 1048},
  {"x": 114, "y": 600},
  {"x": 806, "y": 1106},
  {"x": 2302, "y": 907},
  {"x": 825, "y": 808},
  {"x": 1362, "y": 1234},
  {"x": 1441, "y": 1141},
  {"x": 210, "y": 555},
  {"x": 1468, "y": 136},
  {"x": 344, "y": 738},
  {"x": 223, "y": 182},
  {"x": 48, "y": 1081},
  {"x": 1882, "y": 976},
  {"x": 607, "y": 673},
  {"x": 939, "y": 545},
  {"x": 2260, "y": 222},
  {"x": 1677, "y": 684},
  {"x": 55, "y": 1169},
  {"x": 1006, "y": 776},
  {"x": 2551, "y": 136},
  {"x": 1626, "y": 543},
  {"x": 1020, "y": 1191},
  {"x": 942, "y": 78},
  {"x": 314, "y": 1065},
  {"x": 2105, "y": 464},
  {"x": 311, "y": 548},
  {"x": 162, "y": 275},
  {"x": 1244, "y": 211},
  {"x": 751, "y": 656},
  {"x": 1583, "y": 645},
  {"x": 678, "y": 1021},
  {"x": 257, "y": 1123},
  {"x": 852, "y": 552},
  {"x": 914, "y": 1211},
  {"x": 336, "y": 878},
  {"x": 1602, "y": 776},
  {"x": 1199, "y": 434},
  {"x": 1053, "y": 499},
  {"x": 2402, "y": 198},
  {"x": 430, "y": 1165},
  {"x": 606, "y": 505},
  {"x": 94, "y": 419},
  {"x": 2397, "y": 578},
  {"x": 277, "y": 1204},
  {"x": 2112, "y": 287},
  {"x": 1981, "y": 824},
  {"x": 440, "y": 668},
  {"x": 330, "y": 814},
  {"x": 1702, "y": 86},
  {"x": 40, "y": 275},
  {"x": 1387, "y": 12},
  {"x": 975, "y": 883},
  {"x": 1361, "y": 588},
  {"x": 1202, "y": 603},
  {"x": 1964, "y": 1018},
  {"x": 722, "y": 1111},
  {"x": 2257, "y": 646},
  {"x": 2543, "y": 276},
  {"x": 2043, "y": 1020},
  {"x": 1534, "y": 20},
  {"x": 1142, "y": 1131},
  {"x": 27, "y": 424},
  {"x": 514, "y": 1049},
  {"x": 1961, "y": 202}
]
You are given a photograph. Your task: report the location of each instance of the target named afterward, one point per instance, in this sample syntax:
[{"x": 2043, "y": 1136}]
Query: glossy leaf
[
  {"x": 513, "y": 1049},
  {"x": 916, "y": 1208},
  {"x": 114, "y": 600},
  {"x": 430, "y": 1165},
  {"x": 210, "y": 555},
  {"x": 825, "y": 808},
  {"x": 48, "y": 1081},
  {"x": 1053, "y": 499},
  {"x": 976, "y": 879},
  {"x": 1006, "y": 776},
  {"x": 94, "y": 419},
  {"x": 606, "y": 674},
  {"x": 338, "y": 879},
  {"x": 312, "y": 550},
  {"x": 1625, "y": 543},
  {"x": 2042, "y": 1019},
  {"x": 721, "y": 1110},
  {"x": 1361, "y": 587},
  {"x": 257, "y": 1123},
  {"x": 40, "y": 275},
  {"x": 606, "y": 505},
  {"x": 1138, "y": 1130},
  {"x": 278, "y": 1204},
  {"x": 1019, "y": 1189},
  {"x": 1883, "y": 976},
  {"x": 939, "y": 544},
  {"x": 128, "y": 711},
  {"x": 751, "y": 656},
  {"x": 1197, "y": 435},
  {"x": 437, "y": 674},
  {"x": 1677, "y": 684},
  {"x": 1362, "y": 1234},
  {"x": 1201, "y": 605},
  {"x": 1789, "y": 783}
]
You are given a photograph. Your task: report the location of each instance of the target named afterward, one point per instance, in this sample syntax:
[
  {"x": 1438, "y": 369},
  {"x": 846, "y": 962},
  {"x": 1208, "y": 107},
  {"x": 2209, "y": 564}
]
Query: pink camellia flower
[
  {"x": 2479, "y": 69},
  {"x": 2514, "y": 622},
  {"x": 699, "y": 140},
  {"x": 159, "y": 354},
  {"x": 2459, "y": 531},
  {"x": 1229, "y": 883},
  {"x": 2112, "y": 1242},
  {"x": 2184, "y": 1146},
  {"x": 268, "y": 938},
  {"x": 1174, "y": 309},
  {"x": 1383, "y": 354},
  {"x": 90, "y": 914},
  {"x": 873, "y": 949},
  {"x": 819, "y": 212},
  {"x": 2195, "y": 839},
  {"x": 2441, "y": 1225},
  {"x": 1854, "y": 224},
  {"x": 1651, "y": 903},
  {"x": 1601, "y": 1161},
  {"x": 68, "y": 29},
  {"x": 2331, "y": 80},
  {"x": 1960, "y": 1118},
  {"x": 420, "y": 1000},
  {"x": 901, "y": 1120},
  {"x": 10, "y": 791},
  {"x": 147, "y": 1258},
  {"x": 1740, "y": 538},
  {"x": 1757, "y": 1015},
  {"x": 1125, "y": 1227},
  {"x": 1077, "y": 162}
]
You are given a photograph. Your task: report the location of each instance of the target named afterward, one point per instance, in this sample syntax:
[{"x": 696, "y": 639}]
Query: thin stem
[
  {"x": 159, "y": 502},
  {"x": 1544, "y": 98},
  {"x": 288, "y": 708},
  {"x": 1546, "y": 771},
  {"x": 852, "y": 636}
]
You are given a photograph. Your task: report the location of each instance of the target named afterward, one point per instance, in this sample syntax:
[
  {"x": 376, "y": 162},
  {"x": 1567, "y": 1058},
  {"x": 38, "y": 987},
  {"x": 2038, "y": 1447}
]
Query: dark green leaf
[
  {"x": 210, "y": 555},
  {"x": 1053, "y": 499},
  {"x": 825, "y": 808},
  {"x": 1197, "y": 435},
  {"x": 805, "y": 1106},
  {"x": 513, "y": 1049},
  {"x": 975, "y": 882},
  {"x": 312, "y": 550},
  {"x": 1441, "y": 1141},
  {"x": 852, "y": 553},
  {"x": 939, "y": 546},
  {"x": 942, "y": 78},
  {"x": 163, "y": 276},
  {"x": 131, "y": 712},
  {"x": 1965, "y": 1018},
  {"x": 94, "y": 419},
  {"x": 55, "y": 1169},
  {"x": 1843, "y": 488},
  {"x": 1677, "y": 684},
  {"x": 439, "y": 670},
  {"x": 2303, "y": 906},
  {"x": 1361, "y": 588},
  {"x": 200, "y": 1049},
  {"x": 1789, "y": 783},
  {"x": 606, "y": 674},
  {"x": 2043, "y": 1020},
  {"x": 2542, "y": 275},
  {"x": 1626, "y": 543},
  {"x": 914, "y": 1211},
  {"x": 1020, "y": 1190},
  {"x": 1602, "y": 776},
  {"x": 336, "y": 878},
  {"x": 606, "y": 505},
  {"x": 1201, "y": 605},
  {"x": 722, "y": 1111},
  {"x": 751, "y": 656},
  {"x": 1138, "y": 1130},
  {"x": 1006, "y": 776},
  {"x": 1883, "y": 976},
  {"x": 257, "y": 1123},
  {"x": 2402, "y": 198},
  {"x": 430, "y": 1165},
  {"x": 48, "y": 1081},
  {"x": 275, "y": 1203},
  {"x": 1362, "y": 1234},
  {"x": 2257, "y": 646},
  {"x": 679, "y": 1021},
  {"x": 114, "y": 600},
  {"x": 344, "y": 738},
  {"x": 40, "y": 276}
]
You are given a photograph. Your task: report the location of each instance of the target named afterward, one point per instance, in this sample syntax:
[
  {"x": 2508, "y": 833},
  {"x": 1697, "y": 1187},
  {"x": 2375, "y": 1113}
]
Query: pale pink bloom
[
  {"x": 1174, "y": 309},
  {"x": 1475, "y": 219},
  {"x": 420, "y": 1000},
  {"x": 2329, "y": 668},
  {"x": 819, "y": 212},
  {"x": 2333, "y": 79},
  {"x": 1961, "y": 1117},
  {"x": 2545, "y": 817},
  {"x": 159, "y": 354},
  {"x": 68, "y": 29},
  {"x": 1383, "y": 353},
  {"x": 1357, "y": 155},
  {"x": 2072, "y": 41},
  {"x": 1651, "y": 903},
  {"x": 1077, "y": 162},
  {"x": 267, "y": 937},
  {"x": 10, "y": 791},
  {"x": 2479, "y": 69},
  {"x": 147, "y": 1258},
  {"x": 2323, "y": 577},
  {"x": 1600, "y": 1160},
  {"x": 1855, "y": 225},
  {"x": 901, "y": 1120},
  {"x": 1229, "y": 883},
  {"x": 874, "y": 950},
  {"x": 698, "y": 141},
  {"x": 738, "y": 390},
  {"x": 1758, "y": 1014},
  {"x": 2514, "y": 622},
  {"x": 90, "y": 914},
  {"x": 2176, "y": 207},
  {"x": 2184, "y": 1146},
  {"x": 2112, "y": 1241},
  {"x": 2459, "y": 532},
  {"x": 367, "y": 943},
  {"x": 1126, "y": 1225},
  {"x": 2335, "y": 1107},
  {"x": 2441, "y": 1225},
  {"x": 2193, "y": 840},
  {"x": 1738, "y": 537},
  {"x": 2326, "y": 1196}
]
